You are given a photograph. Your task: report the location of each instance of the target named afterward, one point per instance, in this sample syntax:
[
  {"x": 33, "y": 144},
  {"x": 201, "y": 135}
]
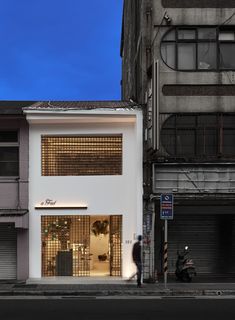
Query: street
[{"x": 116, "y": 308}]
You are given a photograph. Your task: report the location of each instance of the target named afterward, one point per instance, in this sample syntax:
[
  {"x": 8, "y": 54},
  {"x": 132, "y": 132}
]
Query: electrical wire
[
  {"x": 227, "y": 20},
  {"x": 152, "y": 43},
  {"x": 159, "y": 27}
]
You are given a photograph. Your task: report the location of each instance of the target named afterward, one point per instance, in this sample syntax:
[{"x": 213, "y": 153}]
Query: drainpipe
[{"x": 18, "y": 193}]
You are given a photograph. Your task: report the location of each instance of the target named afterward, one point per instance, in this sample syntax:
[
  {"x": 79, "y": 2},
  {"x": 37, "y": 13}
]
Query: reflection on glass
[
  {"x": 226, "y": 36},
  {"x": 227, "y": 54},
  {"x": 170, "y": 36},
  {"x": 187, "y": 56},
  {"x": 199, "y": 49},
  {"x": 206, "y": 33},
  {"x": 207, "y": 55},
  {"x": 9, "y": 159},
  {"x": 168, "y": 54},
  {"x": 186, "y": 34}
]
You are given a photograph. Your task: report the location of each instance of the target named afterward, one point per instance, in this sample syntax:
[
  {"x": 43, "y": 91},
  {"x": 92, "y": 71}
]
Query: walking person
[{"x": 137, "y": 258}]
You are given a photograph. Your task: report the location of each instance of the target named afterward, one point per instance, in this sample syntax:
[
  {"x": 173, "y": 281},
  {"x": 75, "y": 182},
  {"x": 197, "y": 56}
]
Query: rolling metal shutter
[
  {"x": 7, "y": 251},
  {"x": 211, "y": 241}
]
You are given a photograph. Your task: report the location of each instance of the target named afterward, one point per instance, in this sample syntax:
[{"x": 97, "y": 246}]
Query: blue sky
[{"x": 60, "y": 49}]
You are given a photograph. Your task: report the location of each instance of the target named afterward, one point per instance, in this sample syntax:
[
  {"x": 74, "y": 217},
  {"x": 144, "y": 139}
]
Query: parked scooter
[{"x": 185, "y": 269}]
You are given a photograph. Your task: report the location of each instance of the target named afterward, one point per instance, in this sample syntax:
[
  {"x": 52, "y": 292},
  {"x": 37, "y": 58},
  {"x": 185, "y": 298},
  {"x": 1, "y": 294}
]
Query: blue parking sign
[{"x": 166, "y": 206}]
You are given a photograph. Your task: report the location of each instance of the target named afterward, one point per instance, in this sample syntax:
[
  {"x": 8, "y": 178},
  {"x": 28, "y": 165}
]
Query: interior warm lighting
[
  {"x": 69, "y": 248},
  {"x": 65, "y": 246}
]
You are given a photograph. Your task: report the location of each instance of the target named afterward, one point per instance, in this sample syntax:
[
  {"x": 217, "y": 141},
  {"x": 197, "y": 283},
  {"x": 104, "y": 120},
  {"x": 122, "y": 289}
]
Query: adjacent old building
[
  {"x": 13, "y": 191},
  {"x": 85, "y": 182},
  {"x": 178, "y": 60}
]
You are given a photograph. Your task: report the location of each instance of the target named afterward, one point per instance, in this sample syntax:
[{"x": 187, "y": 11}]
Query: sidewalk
[{"x": 120, "y": 288}]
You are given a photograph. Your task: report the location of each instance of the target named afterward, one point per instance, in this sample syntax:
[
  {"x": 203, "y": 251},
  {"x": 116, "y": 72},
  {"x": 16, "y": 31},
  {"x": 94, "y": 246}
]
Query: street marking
[
  {"x": 79, "y": 297},
  {"x": 128, "y": 298}
]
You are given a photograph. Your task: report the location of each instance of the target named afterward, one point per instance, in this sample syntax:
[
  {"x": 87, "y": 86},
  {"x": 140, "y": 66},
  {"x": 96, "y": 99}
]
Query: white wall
[{"x": 104, "y": 195}]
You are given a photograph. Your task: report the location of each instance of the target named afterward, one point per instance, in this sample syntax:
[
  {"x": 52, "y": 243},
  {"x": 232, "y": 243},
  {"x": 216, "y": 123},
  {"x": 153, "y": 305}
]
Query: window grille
[
  {"x": 81, "y": 155},
  {"x": 116, "y": 245}
]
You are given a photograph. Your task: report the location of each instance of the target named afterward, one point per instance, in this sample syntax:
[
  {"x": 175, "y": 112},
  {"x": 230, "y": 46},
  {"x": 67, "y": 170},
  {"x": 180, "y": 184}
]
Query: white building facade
[{"x": 85, "y": 188}]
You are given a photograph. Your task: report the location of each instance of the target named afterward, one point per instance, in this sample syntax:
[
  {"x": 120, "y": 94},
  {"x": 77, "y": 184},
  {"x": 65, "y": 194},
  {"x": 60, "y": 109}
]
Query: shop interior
[{"x": 75, "y": 245}]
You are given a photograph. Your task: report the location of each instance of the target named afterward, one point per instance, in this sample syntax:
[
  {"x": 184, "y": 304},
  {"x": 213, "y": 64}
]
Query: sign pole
[
  {"x": 166, "y": 213},
  {"x": 165, "y": 254}
]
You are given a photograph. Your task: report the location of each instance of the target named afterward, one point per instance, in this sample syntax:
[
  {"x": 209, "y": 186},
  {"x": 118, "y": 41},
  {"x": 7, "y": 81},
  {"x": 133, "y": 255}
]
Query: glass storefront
[{"x": 81, "y": 245}]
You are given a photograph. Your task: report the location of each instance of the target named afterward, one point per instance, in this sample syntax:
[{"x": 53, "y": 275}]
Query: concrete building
[
  {"x": 178, "y": 60},
  {"x": 85, "y": 188},
  {"x": 13, "y": 191}
]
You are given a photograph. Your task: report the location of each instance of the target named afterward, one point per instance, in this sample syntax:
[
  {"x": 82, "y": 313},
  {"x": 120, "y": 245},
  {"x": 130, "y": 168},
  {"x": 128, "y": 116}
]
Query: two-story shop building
[
  {"x": 13, "y": 191},
  {"x": 85, "y": 188}
]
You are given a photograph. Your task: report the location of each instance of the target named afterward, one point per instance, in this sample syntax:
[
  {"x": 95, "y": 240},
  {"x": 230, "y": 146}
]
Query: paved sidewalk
[{"x": 121, "y": 288}]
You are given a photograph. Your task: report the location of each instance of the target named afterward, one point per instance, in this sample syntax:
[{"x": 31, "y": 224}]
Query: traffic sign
[{"x": 166, "y": 206}]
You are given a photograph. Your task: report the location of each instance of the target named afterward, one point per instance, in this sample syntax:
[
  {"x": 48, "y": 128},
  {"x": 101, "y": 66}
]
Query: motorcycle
[{"x": 185, "y": 269}]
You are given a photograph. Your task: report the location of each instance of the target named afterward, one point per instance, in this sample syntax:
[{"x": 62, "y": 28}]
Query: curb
[{"x": 95, "y": 293}]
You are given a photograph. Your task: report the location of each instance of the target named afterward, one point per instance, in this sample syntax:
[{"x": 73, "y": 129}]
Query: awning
[{"x": 19, "y": 217}]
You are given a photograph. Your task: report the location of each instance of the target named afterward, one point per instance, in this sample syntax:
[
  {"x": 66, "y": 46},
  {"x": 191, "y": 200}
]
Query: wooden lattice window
[
  {"x": 116, "y": 245},
  {"x": 65, "y": 245},
  {"x": 81, "y": 155}
]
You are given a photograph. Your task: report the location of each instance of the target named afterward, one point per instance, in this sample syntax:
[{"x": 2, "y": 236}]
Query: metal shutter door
[
  {"x": 7, "y": 251},
  {"x": 211, "y": 241}
]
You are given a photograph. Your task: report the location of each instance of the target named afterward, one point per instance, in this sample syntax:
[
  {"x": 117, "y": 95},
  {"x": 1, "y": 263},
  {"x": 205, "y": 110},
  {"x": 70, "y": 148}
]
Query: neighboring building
[
  {"x": 13, "y": 191},
  {"x": 85, "y": 182},
  {"x": 178, "y": 59}
]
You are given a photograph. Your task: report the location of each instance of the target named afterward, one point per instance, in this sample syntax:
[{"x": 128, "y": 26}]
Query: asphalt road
[{"x": 86, "y": 308}]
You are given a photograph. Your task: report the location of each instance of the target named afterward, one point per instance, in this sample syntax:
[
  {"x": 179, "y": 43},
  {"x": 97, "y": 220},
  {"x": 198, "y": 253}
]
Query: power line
[
  {"x": 159, "y": 27},
  {"x": 227, "y": 20}
]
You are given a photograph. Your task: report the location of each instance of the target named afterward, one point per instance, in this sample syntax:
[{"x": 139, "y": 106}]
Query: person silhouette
[{"x": 137, "y": 258}]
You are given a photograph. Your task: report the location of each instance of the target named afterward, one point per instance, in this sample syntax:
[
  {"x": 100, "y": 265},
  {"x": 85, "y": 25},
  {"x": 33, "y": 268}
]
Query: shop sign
[
  {"x": 53, "y": 204},
  {"x": 48, "y": 203}
]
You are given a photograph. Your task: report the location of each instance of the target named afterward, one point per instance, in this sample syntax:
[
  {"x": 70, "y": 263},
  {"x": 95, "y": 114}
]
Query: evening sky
[{"x": 60, "y": 49}]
